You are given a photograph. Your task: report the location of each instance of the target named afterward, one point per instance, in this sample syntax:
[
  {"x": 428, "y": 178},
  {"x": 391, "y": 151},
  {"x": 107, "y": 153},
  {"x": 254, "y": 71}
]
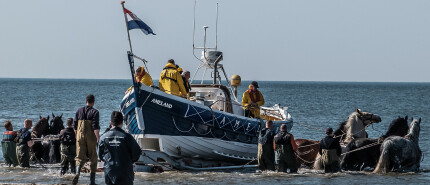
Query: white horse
[
  {"x": 357, "y": 122},
  {"x": 401, "y": 154},
  {"x": 355, "y": 127}
]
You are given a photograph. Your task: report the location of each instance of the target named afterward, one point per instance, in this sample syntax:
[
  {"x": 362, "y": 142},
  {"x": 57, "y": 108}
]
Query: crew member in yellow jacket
[
  {"x": 171, "y": 81},
  {"x": 143, "y": 77},
  {"x": 252, "y": 99}
]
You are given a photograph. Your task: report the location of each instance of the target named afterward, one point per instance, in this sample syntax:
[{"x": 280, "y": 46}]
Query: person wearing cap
[
  {"x": 330, "y": 151},
  {"x": 143, "y": 77},
  {"x": 171, "y": 80},
  {"x": 252, "y": 99},
  {"x": 285, "y": 146},
  {"x": 266, "y": 153},
  {"x": 118, "y": 150}
]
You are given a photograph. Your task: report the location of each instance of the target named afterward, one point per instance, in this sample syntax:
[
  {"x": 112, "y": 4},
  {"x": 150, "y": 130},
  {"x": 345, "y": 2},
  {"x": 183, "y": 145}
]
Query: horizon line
[{"x": 223, "y": 80}]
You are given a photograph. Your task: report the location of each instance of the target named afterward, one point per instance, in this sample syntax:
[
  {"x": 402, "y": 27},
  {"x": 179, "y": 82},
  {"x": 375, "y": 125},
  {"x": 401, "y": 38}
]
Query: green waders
[
  {"x": 9, "y": 152},
  {"x": 86, "y": 149},
  {"x": 286, "y": 158},
  {"x": 68, "y": 154},
  {"x": 266, "y": 157},
  {"x": 330, "y": 160},
  {"x": 86, "y": 145},
  {"x": 23, "y": 155}
]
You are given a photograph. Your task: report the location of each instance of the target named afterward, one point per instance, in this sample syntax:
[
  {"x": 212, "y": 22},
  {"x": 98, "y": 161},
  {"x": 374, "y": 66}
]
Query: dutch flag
[{"x": 135, "y": 23}]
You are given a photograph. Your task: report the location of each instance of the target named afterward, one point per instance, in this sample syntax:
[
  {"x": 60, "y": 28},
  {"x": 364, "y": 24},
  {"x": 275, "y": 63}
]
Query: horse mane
[
  {"x": 414, "y": 131},
  {"x": 340, "y": 130},
  {"x": 398, "y": 127},
  {"x": 41, "y": 127}
]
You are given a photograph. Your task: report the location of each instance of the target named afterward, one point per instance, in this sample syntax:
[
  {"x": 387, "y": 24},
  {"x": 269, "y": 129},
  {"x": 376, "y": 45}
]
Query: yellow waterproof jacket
[
  {"x": 146, "y": 79},
  {"x": 246, "y": 100},
  {"x": 171, "y": 81}
]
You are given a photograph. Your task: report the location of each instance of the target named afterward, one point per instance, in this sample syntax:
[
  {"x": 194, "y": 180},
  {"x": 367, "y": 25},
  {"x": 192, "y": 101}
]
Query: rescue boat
[{"x": 205, "y": 130}]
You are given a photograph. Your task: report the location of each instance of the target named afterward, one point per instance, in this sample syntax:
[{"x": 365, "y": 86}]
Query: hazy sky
[{"x": 366, "y": 40}]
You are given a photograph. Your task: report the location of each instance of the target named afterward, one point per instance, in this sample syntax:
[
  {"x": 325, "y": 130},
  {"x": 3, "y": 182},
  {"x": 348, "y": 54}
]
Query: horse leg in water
[{"x": 54, "y": 152}]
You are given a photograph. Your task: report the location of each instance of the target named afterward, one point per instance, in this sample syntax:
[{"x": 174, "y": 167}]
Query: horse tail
[
  {"x": 318, "y": 163},
  {"x": 384, "y": 159}
]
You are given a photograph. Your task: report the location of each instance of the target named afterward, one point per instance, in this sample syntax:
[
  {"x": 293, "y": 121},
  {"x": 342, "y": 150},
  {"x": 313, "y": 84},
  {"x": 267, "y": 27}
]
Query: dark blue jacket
[
  {"x": 118, "y": 150},
  {"x": 23, "y": 136}
]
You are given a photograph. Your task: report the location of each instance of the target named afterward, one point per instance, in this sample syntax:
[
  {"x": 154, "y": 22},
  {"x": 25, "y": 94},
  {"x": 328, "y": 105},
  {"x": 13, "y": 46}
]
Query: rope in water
[{"x": 362, "y": 148}]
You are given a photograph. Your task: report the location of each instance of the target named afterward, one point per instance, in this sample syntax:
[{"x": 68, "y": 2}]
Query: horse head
[
  {"x": 414, "y": 130},
  {"x": 41, "y": 128},
  {"x": 367, "y": 118},
  {"x": 56, "y": 124},
  {"x": 357, "y": 123},
  {"x": 398, "y": 127}
]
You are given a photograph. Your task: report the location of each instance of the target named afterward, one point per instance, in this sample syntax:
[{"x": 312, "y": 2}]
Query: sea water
[{"x": 313, "y": 105}]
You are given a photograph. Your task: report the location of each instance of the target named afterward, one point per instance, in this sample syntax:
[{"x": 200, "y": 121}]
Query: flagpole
[{"x": 126, "y": 24}]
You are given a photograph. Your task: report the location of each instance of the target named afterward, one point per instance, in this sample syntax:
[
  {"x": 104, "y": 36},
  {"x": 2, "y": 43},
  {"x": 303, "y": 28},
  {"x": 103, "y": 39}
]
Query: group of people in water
[
  {"x": 285, "y": 146},
  {"x": 81, "y": 143}
]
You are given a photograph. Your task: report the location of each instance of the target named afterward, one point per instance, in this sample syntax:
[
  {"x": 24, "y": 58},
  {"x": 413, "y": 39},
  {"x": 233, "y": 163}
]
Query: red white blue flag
[{"x": 135, "y": 23}]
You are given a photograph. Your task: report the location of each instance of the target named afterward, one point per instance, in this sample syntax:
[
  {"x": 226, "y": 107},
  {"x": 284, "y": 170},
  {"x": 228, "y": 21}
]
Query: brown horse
[
  {"x": 41, "y": 128},
  {"x": 307, "y": 151}
]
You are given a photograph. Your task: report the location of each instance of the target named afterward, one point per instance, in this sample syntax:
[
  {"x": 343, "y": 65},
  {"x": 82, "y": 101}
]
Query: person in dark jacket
[
  {"x": 24, "y": 144},
  {"x": 266, "y": 153},
  {"x": 185, "y": 77},
  {"x": 68, "y": 147},
  {"x": 118, "y": 150},
  {"x": 330, "y": 151},
  {"x": 285, "y": 147},
  {"x": 87, "y": 129},
  {"x": 8, "y": 144}
]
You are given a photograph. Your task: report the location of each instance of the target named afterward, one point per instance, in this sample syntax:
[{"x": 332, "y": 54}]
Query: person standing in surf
[
  {"x": 330, "y": 151},
  {"x": 8, "y": 144},
  {"x": 266, "y": 152},
  {"x": 87, "y": 128},
  {"x": 118, "y": 150}
]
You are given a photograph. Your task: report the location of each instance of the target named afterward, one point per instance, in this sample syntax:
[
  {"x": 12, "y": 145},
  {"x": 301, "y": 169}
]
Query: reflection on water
[{"x": 50, "y": 175}]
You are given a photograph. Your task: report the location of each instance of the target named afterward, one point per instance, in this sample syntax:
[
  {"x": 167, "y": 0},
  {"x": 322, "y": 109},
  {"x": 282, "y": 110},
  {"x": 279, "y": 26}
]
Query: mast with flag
[{"x": 133, "y": 22}]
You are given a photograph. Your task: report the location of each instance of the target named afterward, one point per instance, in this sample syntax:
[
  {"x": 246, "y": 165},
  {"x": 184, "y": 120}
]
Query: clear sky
[{"x": 284, "y": 40}]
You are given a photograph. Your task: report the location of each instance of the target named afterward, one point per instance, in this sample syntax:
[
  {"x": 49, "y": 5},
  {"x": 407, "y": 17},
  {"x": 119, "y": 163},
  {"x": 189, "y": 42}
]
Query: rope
[
  {"x": 361, "y": 148},
  {"x": 306, "y": 161},
  {"x": 174, "y": 122},
  {"x": 308, "y": 145}
]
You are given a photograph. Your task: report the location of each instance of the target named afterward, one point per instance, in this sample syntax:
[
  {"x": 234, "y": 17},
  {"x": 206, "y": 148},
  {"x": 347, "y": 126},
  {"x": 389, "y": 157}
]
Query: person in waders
[
  {"x": 8, "y": 144},
  {"x": 330, "y": 151},
  {"x": 87, "y": 128},
  {"x": 285, "y": 147},
  {"x": 24, "y": 144},
  {"x": 68, "y": 148},
  {"x": 118, "y": 150},
  {"x": 266, "y": 153}
]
